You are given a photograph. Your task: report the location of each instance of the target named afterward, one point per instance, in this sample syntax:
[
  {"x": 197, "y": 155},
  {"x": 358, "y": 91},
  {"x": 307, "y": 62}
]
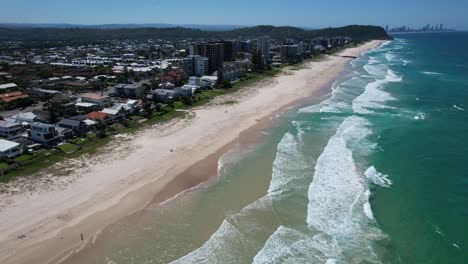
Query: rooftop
[
  {"x": 8, "y": 85},
  {"x": 7, "y": 145},
  {"x": 94, "y": 96}
]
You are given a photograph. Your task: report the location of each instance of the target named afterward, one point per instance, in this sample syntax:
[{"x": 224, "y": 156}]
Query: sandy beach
[{"x": 43, "y": 222}]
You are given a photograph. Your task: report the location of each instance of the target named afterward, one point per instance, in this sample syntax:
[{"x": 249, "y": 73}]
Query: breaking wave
[
  {"x": 377, "y": 178},
  {"x": 373, "y": 96},
  {"x": 240, "y": 232}
]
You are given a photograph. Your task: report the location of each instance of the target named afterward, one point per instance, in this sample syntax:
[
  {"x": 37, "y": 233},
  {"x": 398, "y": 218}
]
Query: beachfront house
[
  {"x": 208, "y": 81},
  {"x": 44, "y": 134},
  {"x": 186, "y": 90},
  {"x": 116, "y": 112},
  {"x": 163, "y": 95},
  {"x": 99, "y": 116},
  {"x": 9, "y": 129},
  {"x": 9, "y": 149},
  {"x": 77, "y": 127}
]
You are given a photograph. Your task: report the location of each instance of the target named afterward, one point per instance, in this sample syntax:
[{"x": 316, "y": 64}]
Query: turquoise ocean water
[{"x": 376, "y": 172}]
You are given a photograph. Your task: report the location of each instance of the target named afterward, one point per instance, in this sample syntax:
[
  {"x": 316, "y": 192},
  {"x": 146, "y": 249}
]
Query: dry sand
[{"x": 54, "y": 211}]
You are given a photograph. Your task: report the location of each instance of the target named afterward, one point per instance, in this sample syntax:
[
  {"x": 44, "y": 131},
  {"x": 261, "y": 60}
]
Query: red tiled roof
[
  {"x": 97, "y": 115},
  {"x": 10, "y": 97}
]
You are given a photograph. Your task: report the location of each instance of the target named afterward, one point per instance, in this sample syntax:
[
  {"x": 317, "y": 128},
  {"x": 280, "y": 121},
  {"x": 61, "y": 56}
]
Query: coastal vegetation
[{"x": 67, "y": 36}]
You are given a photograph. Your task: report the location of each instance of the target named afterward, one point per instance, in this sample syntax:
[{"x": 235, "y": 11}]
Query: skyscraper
[
  {"x": 263, "y": 45},
  {"x": 214, "y": 51},
  {"x": 228, "y": 50}
]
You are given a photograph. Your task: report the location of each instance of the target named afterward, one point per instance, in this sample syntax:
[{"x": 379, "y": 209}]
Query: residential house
[
  {"x": 42, "y": 94},
  {"x": 78, "y": 127},
  {"x": 194, "y": 81},
  {"x": 82, "y": 107},
  {"x": 8, "y": 86},
  {"x": 116, "y": 112},
  {"x": 96, "y": 98},
  {"x": 208, "y": 81},
  {"x": 63, "y": 104},
  {"x": 9, "y": 129},
  {"x": 26, "y": 117},
  {"x": 186, "y": 90},
  {"x": 132, "y": 106},
  {"x": 163, "y": 95},
  {"x": 13, "y": 96},
  {"x": 44, "y": 134},
  {"x": 174, "y": 76},
  {"x": 99, "y": 116},
  {"x": 9, "y": 149},
  {"x": 134, "y": 90}
]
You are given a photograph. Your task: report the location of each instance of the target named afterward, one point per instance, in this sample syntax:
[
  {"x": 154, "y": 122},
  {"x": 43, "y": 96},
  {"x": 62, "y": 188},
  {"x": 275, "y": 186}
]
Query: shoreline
[{"x": 159, "y": 156}]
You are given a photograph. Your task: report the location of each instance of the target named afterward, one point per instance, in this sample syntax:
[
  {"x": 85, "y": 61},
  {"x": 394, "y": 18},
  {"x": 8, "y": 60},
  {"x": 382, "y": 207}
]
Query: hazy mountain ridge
[{"x": 357, "y": 32}]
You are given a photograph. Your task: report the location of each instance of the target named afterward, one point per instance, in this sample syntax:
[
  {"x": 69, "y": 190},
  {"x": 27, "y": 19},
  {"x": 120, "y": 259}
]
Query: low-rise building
[
  {"x": 9, "y": 129},
  {"x": 26, "y": 117},
  {"x": 99, "y": 116},
  {"x": 208, "y": 81},
  {"x": 44, "y": 134},
  {"x": 77, "y": 127},
  {"x": 13, "y": 96},
  {"x": 133, "y": 90},
  {"x": 96, "y": 98},
  {"x": 163, "y": 95},
  {"x": 9, "y": 149},
  {"x": 8, "y": 86}
]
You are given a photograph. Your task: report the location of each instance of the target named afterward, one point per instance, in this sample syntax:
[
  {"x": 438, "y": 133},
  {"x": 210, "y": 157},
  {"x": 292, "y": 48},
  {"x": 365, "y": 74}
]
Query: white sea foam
[
  {"x": 431, "y": 73},
  {"x": 390, "y": 56},
  {"x": 373, "y": 96},
  {"x": 336, "y": 182},
  {"x": 458, "y": 108},
  {"x": 337, "y": 189},
  {"x": 288, "y": 245},
  {"x": 334, "y": 104},
  {"x": 367, "y": 206},
  {"x": 238, "y": 232},
  {"x": 288, "y": 164},
  {"x": 375, "y": 70},
  {"x": 377, "y": 178},
  {"x": 420, "y": 116}
]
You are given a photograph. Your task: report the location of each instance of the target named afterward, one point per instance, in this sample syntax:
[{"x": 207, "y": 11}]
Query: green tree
[{"x": 101, "y": 128}]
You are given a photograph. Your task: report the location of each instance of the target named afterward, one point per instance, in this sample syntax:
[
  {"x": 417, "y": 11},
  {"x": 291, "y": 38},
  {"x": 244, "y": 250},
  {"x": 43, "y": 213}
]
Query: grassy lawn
[
  {"x": 23, "y": 158},
  {"x": 3, "y": 165},
  {"x": 68, "y": 148}
]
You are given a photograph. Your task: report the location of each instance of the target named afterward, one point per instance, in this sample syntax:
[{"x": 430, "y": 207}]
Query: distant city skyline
[{"x": 416, "y": 13}]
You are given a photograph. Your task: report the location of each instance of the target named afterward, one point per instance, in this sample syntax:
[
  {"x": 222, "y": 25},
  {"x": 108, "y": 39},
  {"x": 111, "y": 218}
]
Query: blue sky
[{"x": 310, "y": 13}]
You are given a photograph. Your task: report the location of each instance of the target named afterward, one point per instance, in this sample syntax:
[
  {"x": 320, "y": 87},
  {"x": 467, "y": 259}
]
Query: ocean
[{"x": 375, "y": 172}]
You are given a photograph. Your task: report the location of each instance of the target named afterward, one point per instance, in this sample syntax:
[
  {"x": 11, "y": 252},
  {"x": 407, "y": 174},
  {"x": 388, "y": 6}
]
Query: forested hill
[{"x": 357, "y": 32}]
